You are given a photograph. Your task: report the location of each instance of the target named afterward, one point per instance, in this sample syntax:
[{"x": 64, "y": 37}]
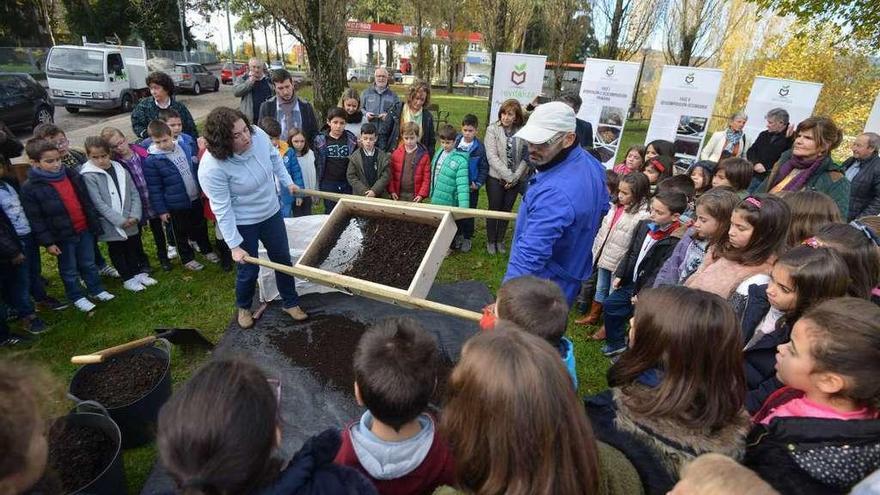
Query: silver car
[{"x": 194, "y": 77}]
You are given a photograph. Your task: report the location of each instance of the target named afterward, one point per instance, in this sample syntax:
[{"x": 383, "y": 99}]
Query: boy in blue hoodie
[
  {"x": 174, "y": 194},
  {"x": 539, "y": 307},
  {"x": 478, "y": 169},
  {"x": 396, "y": 443}
]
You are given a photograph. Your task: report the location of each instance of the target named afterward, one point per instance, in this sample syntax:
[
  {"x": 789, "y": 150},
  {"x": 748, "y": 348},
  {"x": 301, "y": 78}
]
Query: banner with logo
[
  {"x": 518, "y": 76},
  {"x": 798, "y": 98},
  {"x": 683, "y": 108},
  {"x": 873, "y": 124},
  {"x": 606, "y": 90}
]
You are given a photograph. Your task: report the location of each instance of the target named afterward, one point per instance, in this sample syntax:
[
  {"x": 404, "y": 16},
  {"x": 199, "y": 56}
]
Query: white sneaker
[
  {"x": 104, "y": 296},
  {"x": 145, "y": 279},
  {"x": 194, "y": 266},
  {"x": 172, "y": 252},
  {"x": 109, "y": 271},
  {"x": 212, "y": 257},
  {"x": 84, "y": 305},
  {"x": 133, "y": 284}
]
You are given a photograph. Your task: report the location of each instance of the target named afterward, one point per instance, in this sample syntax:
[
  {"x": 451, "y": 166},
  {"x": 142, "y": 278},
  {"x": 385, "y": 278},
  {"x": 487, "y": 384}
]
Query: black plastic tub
[
  {"x": 137, "y": 419},
  {"x": 111, "y": 481}
]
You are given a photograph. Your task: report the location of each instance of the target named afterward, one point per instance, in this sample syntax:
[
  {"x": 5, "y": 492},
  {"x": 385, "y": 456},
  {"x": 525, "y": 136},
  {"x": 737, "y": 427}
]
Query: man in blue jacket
[{"x": 566, "y": 200}]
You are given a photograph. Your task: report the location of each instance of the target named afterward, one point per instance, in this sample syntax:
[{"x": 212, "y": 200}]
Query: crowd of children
[{"x": 744, "y": 329}]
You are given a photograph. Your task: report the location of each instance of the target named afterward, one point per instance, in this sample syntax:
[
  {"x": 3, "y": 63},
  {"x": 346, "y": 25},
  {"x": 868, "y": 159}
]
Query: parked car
[
  {"x": 359, "y": 74},
  {"x": 476, "y": 79},
  {"x": 230, "y": 72},
  {"x": 194, "y": 77},
  {"x": 397, "y": 76},
  {"x": 24, "y": 104},
  {"x": 277, "y": 64}
]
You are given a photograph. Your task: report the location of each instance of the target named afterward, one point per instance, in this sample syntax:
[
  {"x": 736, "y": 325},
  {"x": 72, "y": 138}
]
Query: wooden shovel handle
[{"x": 98, "y": 357}]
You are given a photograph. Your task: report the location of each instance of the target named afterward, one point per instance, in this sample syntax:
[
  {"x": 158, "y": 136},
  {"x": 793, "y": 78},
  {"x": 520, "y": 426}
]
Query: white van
[{"x": 96, "y": 75}]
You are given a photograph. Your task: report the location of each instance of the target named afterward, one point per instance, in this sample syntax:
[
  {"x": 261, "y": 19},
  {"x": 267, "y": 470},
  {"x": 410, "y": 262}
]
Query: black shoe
[
  {"x": 14, "y": 340},
  {"x": 146, "y": 268},
  {"x": 51, "y": 303},
  {"x": 166, "y": 265}
]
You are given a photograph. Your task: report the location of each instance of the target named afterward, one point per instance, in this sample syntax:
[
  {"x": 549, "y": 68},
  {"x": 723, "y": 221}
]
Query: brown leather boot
[{"x": 593, "y": 316}]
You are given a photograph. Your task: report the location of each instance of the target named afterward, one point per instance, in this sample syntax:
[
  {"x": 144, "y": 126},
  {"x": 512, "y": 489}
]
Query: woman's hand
[
  {"x": 53, "y": 250},
  {"x": 617, "y": 282},
  {"x": 238, "y": 254}
]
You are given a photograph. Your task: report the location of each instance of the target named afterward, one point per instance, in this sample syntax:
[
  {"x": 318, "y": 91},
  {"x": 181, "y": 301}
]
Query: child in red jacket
[
  {"x": 410, "y": 167},
  {"x": 395, "y": 443}
]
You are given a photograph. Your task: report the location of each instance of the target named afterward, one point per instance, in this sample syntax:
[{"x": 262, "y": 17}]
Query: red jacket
[
  {"x": 422, "y": 181},
  {"x": 436, "y": 470}
]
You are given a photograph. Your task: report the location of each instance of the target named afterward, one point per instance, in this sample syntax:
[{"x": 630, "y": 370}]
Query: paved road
[{"x": 90, "y": 122}]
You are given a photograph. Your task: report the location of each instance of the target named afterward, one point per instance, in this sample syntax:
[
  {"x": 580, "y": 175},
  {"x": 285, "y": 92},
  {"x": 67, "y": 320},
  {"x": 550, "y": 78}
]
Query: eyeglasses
[{"x": 550, "y": 142}]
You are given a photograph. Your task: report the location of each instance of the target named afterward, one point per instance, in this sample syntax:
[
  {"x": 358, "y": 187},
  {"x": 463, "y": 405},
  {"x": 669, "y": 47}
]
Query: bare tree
[
  {"x": 624, "y": 26},
  {"x": 566, "y": 22},
  {"x": 316, "y": 24},
  {"x": 696, "y": 30}
]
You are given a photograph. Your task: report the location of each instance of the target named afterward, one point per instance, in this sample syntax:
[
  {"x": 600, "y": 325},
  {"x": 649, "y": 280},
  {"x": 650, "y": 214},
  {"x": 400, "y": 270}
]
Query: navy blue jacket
[
  {"x": 49, "y": 219},
  {"x": 312, "y": 471},
  {"x": 760, "y": 360},
  {"x": 320, "y": 147},
  {"x": 653, "y": 260},
  {"x": 478, "y": 163},
  {"x": 166, "y": 187}
]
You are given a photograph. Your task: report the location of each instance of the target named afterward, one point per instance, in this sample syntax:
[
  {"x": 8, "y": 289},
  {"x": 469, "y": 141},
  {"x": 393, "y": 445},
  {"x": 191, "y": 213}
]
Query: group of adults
[
  {"x": 558, "y": 218},
  {"x": 787, "y": 158}
]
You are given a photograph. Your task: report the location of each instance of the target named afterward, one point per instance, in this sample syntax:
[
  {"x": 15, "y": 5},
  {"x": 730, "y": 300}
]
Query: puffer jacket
[
  {"x": 450, "y": 185},
  {"x": 49, "y": 219},
  {"x": 114, "y": 206},
  {"x": 611, "y": 244},
  {"x": 496, "y": 153},
  {"x": 811, "y": 456},
  {"x": 165, "y": 184},
  {"x": 478, "y": 164},
  {"x": 422, "y": 171}
]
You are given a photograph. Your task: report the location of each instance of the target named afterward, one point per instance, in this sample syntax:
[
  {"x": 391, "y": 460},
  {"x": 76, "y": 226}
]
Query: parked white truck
[{"x": 97, "y": 75}]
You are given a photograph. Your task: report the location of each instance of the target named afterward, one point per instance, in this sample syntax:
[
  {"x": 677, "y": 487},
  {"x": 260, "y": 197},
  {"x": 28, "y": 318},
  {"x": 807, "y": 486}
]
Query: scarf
[
  {"x": 354, "y": 118},
  {"x": 658, "y": 232},
  {"x": 807, "y": 168},
  {"x": 46, "y": 175},
  {"x": 732, "y": 140}
]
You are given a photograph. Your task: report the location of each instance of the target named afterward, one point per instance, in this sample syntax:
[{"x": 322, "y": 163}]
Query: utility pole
[
  {"x": 182, "y": 34},
  {"x": 231, "y": 42}
]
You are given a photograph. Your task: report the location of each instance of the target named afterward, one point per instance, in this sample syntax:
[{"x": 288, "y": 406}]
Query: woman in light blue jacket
[{"x": 237, "y": 173}]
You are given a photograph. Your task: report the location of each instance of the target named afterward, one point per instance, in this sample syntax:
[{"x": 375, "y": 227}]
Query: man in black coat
[
  {"x": 863, "y": 171},
  {"x": 289, "y": 110},
  {"x": 769, "y": 146}
]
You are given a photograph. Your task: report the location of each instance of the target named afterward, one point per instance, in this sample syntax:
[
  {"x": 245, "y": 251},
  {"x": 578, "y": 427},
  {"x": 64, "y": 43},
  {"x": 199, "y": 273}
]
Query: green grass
[{"x": 205, "y": 300}]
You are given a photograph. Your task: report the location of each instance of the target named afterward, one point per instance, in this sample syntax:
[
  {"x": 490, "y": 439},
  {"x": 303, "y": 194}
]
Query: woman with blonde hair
[{"x": 413, "y": 109}]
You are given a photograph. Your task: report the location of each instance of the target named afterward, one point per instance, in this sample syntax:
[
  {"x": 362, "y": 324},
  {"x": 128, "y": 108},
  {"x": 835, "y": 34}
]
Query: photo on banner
[
  {"x": 682, "y": 109},
  {"x": 606, "y": 90},
  {"x": 798, "y": 98},
  {"x": 517, "y": 76},
  {"x": 873, "y": 124}
]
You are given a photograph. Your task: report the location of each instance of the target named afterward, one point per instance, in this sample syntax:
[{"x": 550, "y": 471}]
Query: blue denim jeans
[
  {"x": 336, "y": 187},
  {"x": 77, "y": 259},
  {"x": 273, "y": 235},
  {"x": 603, "y": 285},
  {"x": 618, "y": 309}
]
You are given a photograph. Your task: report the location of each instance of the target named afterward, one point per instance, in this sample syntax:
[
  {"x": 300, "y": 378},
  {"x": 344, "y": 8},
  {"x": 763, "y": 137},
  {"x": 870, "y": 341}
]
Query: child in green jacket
[{"x": 450, "y": 182}]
